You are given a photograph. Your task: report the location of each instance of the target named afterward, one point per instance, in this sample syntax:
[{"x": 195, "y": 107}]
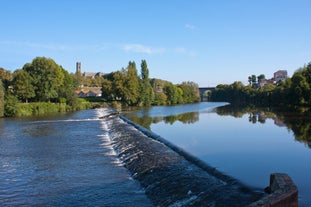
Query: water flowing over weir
[{"x": 170, "y": 178}]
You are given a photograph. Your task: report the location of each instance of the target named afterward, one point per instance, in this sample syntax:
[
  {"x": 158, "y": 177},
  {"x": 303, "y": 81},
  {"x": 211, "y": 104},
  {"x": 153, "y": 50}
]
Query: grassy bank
[{"x": 42, "y": 108}]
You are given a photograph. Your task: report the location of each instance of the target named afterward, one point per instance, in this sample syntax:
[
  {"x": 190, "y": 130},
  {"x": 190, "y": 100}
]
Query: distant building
[
  {"x": 90, "y": 75},
  {"x": 94, "y": 92},
  {"x": 100, "y": 74},
  {"x": 280, "y": 75},
  {"x": 78, "y": 68}
]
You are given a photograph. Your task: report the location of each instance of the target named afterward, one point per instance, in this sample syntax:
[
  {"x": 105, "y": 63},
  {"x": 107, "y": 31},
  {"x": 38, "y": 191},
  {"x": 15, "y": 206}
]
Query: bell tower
[{"x": 78, "y": 68}]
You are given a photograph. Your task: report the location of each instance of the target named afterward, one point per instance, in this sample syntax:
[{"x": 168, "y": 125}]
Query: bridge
[{"x": 205, "y": 93}]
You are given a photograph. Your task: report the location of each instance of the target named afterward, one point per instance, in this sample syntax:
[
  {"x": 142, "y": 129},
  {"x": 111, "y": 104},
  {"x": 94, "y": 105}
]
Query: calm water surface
[
  {"x": 247, "y": 144},
  {"x": 69, "y": 161},
  {"x": 63, "y": 161}
]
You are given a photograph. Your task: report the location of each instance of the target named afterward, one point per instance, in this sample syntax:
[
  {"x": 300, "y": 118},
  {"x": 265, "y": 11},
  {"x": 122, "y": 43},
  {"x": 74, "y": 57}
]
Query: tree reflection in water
[
  {"x": 298, "y": 121},
  {"x": 186, "y": 118}
]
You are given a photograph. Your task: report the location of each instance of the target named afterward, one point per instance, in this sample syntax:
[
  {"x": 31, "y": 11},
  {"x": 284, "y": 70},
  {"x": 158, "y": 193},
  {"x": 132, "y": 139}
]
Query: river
[
  {"x": 68, "y": 160},
  {"x": 63, "y": 161},
  {"x": 246, "y": 143}
]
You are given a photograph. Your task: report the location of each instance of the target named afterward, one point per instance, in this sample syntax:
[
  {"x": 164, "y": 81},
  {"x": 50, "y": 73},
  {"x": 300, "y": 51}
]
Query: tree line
[
  {"x": 131, "y": 89},
  {"x": 44, "y": 81},
  {"x": 41, "y": 81},
  {"x": 293, "y": 92}
]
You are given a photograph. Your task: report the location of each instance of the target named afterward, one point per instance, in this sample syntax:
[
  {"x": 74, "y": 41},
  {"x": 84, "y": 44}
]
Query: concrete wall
[{"x": 282, "y": 192}]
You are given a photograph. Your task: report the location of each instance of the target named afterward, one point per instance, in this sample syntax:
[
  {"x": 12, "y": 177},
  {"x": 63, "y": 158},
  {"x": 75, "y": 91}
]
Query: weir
[{"x": 172, "y": 177}]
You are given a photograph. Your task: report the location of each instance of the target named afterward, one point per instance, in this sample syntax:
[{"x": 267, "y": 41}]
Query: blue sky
[{"x": 205, "y": 41}]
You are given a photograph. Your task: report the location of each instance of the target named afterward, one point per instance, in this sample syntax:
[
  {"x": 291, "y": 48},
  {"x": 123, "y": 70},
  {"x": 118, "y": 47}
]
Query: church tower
[{"x": 78, "y": 68}]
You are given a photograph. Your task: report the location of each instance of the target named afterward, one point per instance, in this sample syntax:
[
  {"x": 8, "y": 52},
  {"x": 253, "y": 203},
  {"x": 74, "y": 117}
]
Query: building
[
  {"x": 90, "y": 75},
  {"x": 78, "y": 68},
  {"x": 280, "y": 75},
  {"x": 91, "y": 92}
]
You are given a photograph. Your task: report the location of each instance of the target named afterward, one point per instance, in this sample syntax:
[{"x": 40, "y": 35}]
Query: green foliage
[
  {"x": 10, "y": 105},
  {"x": 128, "y": 88},
  {"x": 46, "y": 77},
  {"x": 1, "y": 99},
  {"x": 6, "y": 77},
  {"x": 190, "y": 92},
  {"x": 36, "y": 108},
  {"x": 23, "y": 87},
  {"x": 131, "y": 87},
  {"x": 147, "y": 94},
  {"x": 295, "y": 91},
  {"x": 160, "y": 99}
]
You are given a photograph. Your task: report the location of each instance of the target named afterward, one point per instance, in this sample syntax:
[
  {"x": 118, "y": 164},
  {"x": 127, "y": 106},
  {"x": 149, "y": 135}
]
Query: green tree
[
  {"x": 10, "y": 105},
  {"x": 147, "y": 94},
  {"x": 22, "y": 83},
  {"x": 6, "y": 77},
  {"x": 300, "y": 89},
  {"x": 47, "y": 77},
  {"x": 171, "y": 93},
  {"x": 1, "y": 99},
  {"x": 190, "y": 92},
  {"x": 132, "y": 85},
  {"x": 107, "y": 91},
  {"x": 66, "y": 88},
  {"x": 261, "y": 78}
]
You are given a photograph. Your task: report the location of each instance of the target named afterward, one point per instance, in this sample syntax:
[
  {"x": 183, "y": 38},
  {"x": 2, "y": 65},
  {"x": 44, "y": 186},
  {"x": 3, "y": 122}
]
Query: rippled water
[{"x": 63, "y": 161}]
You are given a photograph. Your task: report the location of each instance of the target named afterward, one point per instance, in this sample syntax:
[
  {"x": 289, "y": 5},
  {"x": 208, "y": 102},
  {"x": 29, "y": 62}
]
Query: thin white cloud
[
  {"x": 36, "y": 45},
  {"x": 189, "y": 26},
  {"x": 139, "y": 48},
  {"x": 184, "y": 51}
]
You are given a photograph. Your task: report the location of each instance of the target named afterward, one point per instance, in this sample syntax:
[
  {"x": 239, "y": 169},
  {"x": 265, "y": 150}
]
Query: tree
[
  {"x": 10, "y": 105},
  {"x": 191, "y": 93},
  {"x": 1, "y": 99},
  {"x": 46, "y": 76},
  {"x": 66, "y": 87},
  {"x": 107, "y": 92},
  {"x": 146, "y": 89},
  {"x": 6, "y": 77},
  {"x": 132, "y": 85},
  {"x": 261, "y": 78},
  {"x": 171, "y": 93},
  {"x": 22, "y": 83}
]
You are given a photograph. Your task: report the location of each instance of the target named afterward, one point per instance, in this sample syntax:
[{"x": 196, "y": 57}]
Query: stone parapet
[{"x": 282, "y": 192}]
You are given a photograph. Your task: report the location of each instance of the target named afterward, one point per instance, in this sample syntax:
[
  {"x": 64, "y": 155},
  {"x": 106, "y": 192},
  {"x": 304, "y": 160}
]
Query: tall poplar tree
[
  {"x": 132, "y": 84},
  {"x": 147, "y": 94}
]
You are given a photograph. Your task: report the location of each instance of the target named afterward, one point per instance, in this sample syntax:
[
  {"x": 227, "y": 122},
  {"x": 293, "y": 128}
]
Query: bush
[{"x": 10, "y": 105}]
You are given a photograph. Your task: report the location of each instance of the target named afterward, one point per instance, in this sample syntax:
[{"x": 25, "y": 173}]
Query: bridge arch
[{"x": 205, "y": 93}]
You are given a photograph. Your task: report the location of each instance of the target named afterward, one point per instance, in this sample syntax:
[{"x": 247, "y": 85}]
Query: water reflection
[
  {"x": 186, "y": 118},
  {"x": 299, "y": 122}
]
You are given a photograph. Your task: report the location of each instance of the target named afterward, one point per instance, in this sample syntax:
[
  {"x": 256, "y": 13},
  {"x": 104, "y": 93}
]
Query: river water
[
  {"x": 248, "y": 144},
  {"x": 68, "y": 160},
  {"x": 63, "y": 161}
]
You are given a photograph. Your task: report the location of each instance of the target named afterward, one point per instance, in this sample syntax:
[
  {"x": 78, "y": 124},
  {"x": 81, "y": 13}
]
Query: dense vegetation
[
  {"x": 130, "y": 89},
  {"x": 40, "y": 87},
  {"x": 43, "y": 86},
  {"x": 293, "y": 92}
]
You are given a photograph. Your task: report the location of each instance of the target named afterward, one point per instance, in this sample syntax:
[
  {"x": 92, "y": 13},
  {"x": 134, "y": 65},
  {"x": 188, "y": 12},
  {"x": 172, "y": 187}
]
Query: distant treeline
[
  {"x": 43, "y": 86},
  {"x": 293, "y": 92},
  {"x": 130, "y": 89}
]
